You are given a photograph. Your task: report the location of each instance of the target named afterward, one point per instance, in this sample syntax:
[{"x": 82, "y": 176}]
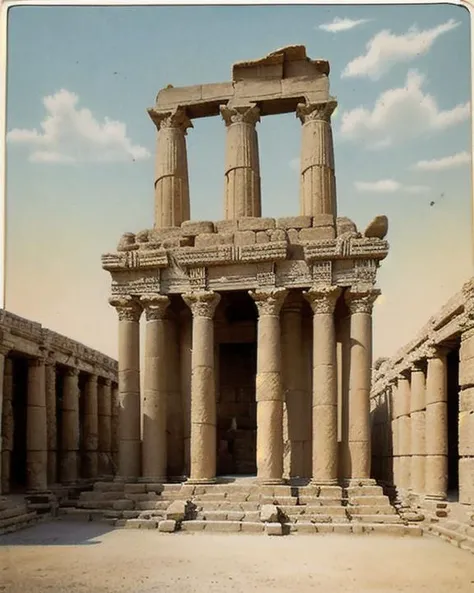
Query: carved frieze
[
  {"x": 135, "y": 283},
  {"x": 322, "y": 272},
  {"x": 198, "y": 278}
]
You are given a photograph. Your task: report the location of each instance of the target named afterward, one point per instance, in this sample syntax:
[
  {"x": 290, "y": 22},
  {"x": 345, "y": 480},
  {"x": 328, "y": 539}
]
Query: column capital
[
  {"x": 249, "y": 114},
  {"x": 155, "y": 306},
  {"x": 316, "y": 111},
  {"x": 417, "y": 365},
  {"x": 127, "y": 307},
  {"x": 431, "y": 350},
  {"x": 72, "y": 372},
  {"x": 269, "y": 302},
  {"x": 107, "y": 382},
  {"x": 323, "y": 299},
  {"x": 361, "y": 301},
  {"x": 4, "y": 350},
  {"x": 202, "y": 304},
  {"x": 177, "y": 119}
]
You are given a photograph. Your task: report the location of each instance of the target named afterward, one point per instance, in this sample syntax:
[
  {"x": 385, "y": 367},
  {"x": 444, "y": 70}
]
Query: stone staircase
[
  {"x": 15, "y": 514},
  {"x": 240, "y": 507},
  {"x": 452, "y": 522}
]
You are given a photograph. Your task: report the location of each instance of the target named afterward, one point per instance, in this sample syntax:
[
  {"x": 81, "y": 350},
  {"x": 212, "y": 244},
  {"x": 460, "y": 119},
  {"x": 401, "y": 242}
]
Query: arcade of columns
[
  {"x": 48, "y": 374},
  {"x": 422, "y": 408},
  {"x": 178, "y": 273}
]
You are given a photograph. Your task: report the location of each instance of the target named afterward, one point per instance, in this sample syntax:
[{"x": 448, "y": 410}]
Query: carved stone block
[
  {"x": 319, "y": 233},
  {"x": 253, "y": 223},
  {"x": 294, "y": 222},
  {"x": 193, "y": 229}
]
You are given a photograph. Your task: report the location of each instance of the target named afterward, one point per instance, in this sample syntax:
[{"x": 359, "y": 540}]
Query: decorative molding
[
  {"x": 176, "y": 119},
  {"x": 127, "y": 307},
  {"x": 323, "y": 299},
  {"x": 269, "y": 302},
  {"x": 202, "y": 304},
  {"x": 249, "y": 114},
  {"x": 361, "y": 301},
  {"x": 155, "y": 306},
  {"x": 307, "y": 112}
]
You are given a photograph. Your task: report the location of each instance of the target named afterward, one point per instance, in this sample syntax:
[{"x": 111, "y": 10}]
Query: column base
[
  {"x": 271, "y": 481},
  {"x": 152, "y": 480},
  {"x": 199, "y": 481},
  {"x": 314, "y": 482},
  {"x": 353, "y": 482},
  {"x": 440, "y": 497}
]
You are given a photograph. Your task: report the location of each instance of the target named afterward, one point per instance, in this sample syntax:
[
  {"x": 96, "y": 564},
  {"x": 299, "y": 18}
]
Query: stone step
[
  {"x": 320, "y": 500},
  {"x": 253, "y": 516},
  {"x": 305, "y": 509},
  {"x": 226, "y": 505},
  {"x": 352, "y": 491},
  {"x": 387, "y": 529},
  {"x": 223, "y": 526},
  {"x": 18, "y": 519},
  {"x": 379, "y": 518},
  {"x": 453, "y": 537},
  {"x": 13, "y": 511},
  {"x": 371, "y": 510},
  {"x": 368, "y": 501},
  {"x": 307, "y": 527}
]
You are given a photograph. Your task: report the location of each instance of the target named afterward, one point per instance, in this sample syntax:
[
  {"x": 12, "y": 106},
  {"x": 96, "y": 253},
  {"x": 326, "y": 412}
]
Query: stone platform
[
  {"x": 16, "y": 514},
  {"x": 241, "y": 507}
]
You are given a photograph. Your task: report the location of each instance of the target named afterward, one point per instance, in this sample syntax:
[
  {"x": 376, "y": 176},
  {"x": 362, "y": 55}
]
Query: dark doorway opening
[
  {"x": 453, "y": 423},
  {"x": 19, "y": 405},
  {"x": 237, "y": 410},
  {"x": 60, "y": 371}
]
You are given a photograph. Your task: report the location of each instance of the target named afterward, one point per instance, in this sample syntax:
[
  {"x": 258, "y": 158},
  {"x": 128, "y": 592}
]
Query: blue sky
[{"x": 402, "y": 131}]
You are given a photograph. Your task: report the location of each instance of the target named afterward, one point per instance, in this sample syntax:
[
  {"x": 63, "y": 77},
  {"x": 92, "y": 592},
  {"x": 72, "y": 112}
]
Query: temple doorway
[{"x": 237, "y": 410}]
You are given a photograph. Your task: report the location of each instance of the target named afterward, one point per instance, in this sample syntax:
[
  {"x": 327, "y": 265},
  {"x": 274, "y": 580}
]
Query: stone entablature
[
  {"x": 290, "y": 252},
  {"x": 31, "y": 338}
]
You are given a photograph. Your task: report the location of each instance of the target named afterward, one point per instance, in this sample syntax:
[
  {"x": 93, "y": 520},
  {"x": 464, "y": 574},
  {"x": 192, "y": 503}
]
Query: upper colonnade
[{"x": 285, "y": 81}]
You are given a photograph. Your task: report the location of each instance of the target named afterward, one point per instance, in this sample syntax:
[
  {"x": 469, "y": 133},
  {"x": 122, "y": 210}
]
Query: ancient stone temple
[{"x": 258, "y": 345}]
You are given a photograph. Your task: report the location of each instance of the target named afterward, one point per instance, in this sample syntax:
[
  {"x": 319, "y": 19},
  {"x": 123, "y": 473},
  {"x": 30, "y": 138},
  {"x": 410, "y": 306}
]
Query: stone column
[
  {"x": 6, "y": 423},
  {"x": 172, "y": 205},
  {"x": 91, "y": 428},
  {"x": 325, "y": 448},
  {"x": 436, "y": 422},
  {"x": 51, "y": 418},
  {"x": 360, "y": 305},
  {"x": 203, "y": 398},
  {"x": 154, "y": 449},
  {"x": 242, "y": 168},
  {"x": 185, "y": 376},
  {"x": 174, "y": 407},
  {"x": 404, "y": 431},
  {"x": 418, "y": 427},
  {"x": 269, "y": 390},
  {"x": 129, "y": 311},
  {"x": 294, "y": 388},
  {"x": 395, "y": 438},
  {"x": 36, "y": 432},
  {"x": 115, "y": 427},
  {"x": 105, "y": 427},
  {"x": 318, "y": 182},
  {"x": 70, "y": 427}
]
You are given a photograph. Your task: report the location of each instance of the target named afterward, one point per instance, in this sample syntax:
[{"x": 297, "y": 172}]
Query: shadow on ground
[{"x": 57, "y": 533}]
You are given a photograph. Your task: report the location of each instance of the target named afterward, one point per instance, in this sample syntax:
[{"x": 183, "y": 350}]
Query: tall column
[
  {"x": 242, "y": 167},
  {"x": 6, "y": 423},
  {"x": 360, "y": 305},
  {"x": 325, "y": 448},
  {"x": 51, "y": 418},
  {"x": 395, "y": 439},
  {"x": 172, "y": 205},
  {"x": 185, "y": 377},
  {"x": 115, "y": 426},
  {"x": 404, "y": 431},
  {"x": 174, "y": 408},
  {"x": 3, "y": 353},
  {"x": 154, "y": 446},
  {"x": 436, "y": 423},
  {"x": 293, "y": 380},
  {"x": 418, "y": 427},
  {"x": 129, "y": 311},
  {"x": 203, "y": 398},
  {"x": 318, "y": 181},
  {"x": 91, "y": 428},
  {"x": 70, "y": 427},
  {"x": 105, "y": 427},
  {"x": 269, "y": 386},
  {"x": 36, "y": 435}
]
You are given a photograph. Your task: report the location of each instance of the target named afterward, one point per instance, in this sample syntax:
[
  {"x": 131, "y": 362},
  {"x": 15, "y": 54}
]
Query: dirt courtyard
[{"x": 88, "y": 557}]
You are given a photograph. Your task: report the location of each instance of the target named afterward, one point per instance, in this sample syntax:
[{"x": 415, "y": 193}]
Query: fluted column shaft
[
  {"x": 295, "y": 394},
  {"x": 324, "y": 404},
  {"x": 154, "y": 447},
  {"x": 172, "y": 206},
  {"x": 360, "y": 306},
  {"x": 91, "y": 427},
  {"x": 51, "y": 419},
  {"x": 7, "y": 421},
  {"x": 269, "y": 392},
  {"x": 318, "y": 181},
  {"x": 129, "y": 312},
  {"x": 395, "y": 434},
  {"x": 404, "y": 431},
  {"x": 436, "y": 422},
  {"x": 36, "y": 432},
  {"x": 418, "y": 428},
  {"x": 104, "y": 419},
  {"x": 242, "y": 167},
  {"x": 185, "y": 379},
  {"x": 115, "y": 426},
  {"x": 203, "y": 397},
  {"x": 70, "y": 427}
]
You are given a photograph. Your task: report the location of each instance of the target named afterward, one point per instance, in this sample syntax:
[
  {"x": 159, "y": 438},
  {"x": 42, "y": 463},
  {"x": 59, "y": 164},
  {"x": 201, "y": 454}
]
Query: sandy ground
[{"x": 87, "y": 557}]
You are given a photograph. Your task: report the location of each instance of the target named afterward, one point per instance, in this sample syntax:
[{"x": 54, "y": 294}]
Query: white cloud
[
  {"x": 399, "y": 114},
  {"x": 448, "y": 162},
  {"x": 339, "y": 25},
  {"x": 386, "y": 49},
  {"x": 72, "y": 135},
  {"x": 389, "y": 186}
]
